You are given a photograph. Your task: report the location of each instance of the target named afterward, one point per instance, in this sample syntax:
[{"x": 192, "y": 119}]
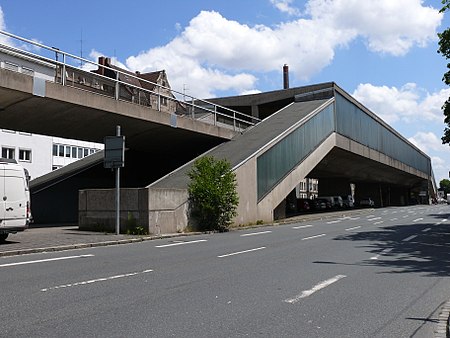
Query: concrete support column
[{"x": 255, "y": 111}]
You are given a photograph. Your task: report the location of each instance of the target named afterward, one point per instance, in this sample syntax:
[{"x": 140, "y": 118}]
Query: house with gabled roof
[{"x": 151, "y": 89}]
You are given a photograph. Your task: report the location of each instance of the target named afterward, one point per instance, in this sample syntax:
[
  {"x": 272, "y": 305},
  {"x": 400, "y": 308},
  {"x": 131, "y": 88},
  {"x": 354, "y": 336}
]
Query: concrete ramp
[
  {"x": 242, "y": 152},
  {"x": 324, "y": 134}
]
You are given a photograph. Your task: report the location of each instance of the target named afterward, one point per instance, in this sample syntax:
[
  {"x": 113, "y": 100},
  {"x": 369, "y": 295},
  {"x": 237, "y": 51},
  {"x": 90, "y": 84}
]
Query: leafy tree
[
  {"x": 444, "y": 49},
  {"x": 445, "y": 185},
  {"x": 212, "y": 193}
]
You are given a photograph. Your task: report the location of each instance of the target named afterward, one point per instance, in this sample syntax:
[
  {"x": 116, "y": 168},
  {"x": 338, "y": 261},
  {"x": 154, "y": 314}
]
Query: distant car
[
  {"x": 348, "y": 201},
  {"x": 366, "y": 202},
  {"x": 321, "y": 204},
  {"x": 303, "y": 204},
  {"x": 338, "y": 202}
]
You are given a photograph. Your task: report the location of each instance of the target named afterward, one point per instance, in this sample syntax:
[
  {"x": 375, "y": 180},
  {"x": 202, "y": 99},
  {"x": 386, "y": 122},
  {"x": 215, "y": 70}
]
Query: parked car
[
  {"x": 366, "y": 202},
  {"x": 338, "y": 202},
  {"x": 329, "y": 201},
  {"x": 348, "y": 201},
  {"x": 321, "y": 204},
  {"x": 303, "y": 204}
]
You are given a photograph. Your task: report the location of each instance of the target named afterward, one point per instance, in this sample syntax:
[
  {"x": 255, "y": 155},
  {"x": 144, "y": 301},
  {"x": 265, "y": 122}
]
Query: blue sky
[{"x": 383, "y": 52}]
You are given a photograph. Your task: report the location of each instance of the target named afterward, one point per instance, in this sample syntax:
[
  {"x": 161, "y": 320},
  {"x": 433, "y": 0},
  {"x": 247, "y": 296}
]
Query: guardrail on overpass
[{"x": 67, "y": 73}]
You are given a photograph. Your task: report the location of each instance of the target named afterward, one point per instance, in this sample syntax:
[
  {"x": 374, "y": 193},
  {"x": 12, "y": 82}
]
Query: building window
[
  {"x": 55, "y": 150},
  {"x": 85, "y": 152},
  {"x": 61, "y": 150},
  {"x": 8, "y": 153},
  {"x": 74, "y": 152},
  {"x": 25, "y": 155},
  {"x": 80, "y": 152},
  {"x": 67, "y": 151}
]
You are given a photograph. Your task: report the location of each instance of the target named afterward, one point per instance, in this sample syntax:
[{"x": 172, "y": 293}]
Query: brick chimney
[
  {"x": 285, "y": 76},
  {"x": 101, "y": 61}
]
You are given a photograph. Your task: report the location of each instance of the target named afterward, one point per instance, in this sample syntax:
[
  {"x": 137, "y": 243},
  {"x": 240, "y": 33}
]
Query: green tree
[
  {"x": 212, "y": 193},
  {"x": 445, "y": 185},
  {"x": 444, "y": 49}
]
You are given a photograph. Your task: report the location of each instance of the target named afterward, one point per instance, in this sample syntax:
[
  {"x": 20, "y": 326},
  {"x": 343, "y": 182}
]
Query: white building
[{"x": 41, "y": 154}]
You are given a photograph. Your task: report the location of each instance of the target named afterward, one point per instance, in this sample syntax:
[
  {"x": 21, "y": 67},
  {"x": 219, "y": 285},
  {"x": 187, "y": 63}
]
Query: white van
[{"x": 15, "y": 212}]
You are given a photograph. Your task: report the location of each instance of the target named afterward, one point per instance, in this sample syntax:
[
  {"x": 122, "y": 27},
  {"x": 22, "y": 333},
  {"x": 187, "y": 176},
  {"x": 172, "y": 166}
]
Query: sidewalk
[{"x": 59, "y": 238}]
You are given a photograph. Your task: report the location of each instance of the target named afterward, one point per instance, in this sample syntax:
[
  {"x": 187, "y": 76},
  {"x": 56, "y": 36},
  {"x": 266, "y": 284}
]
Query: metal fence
[{"x": 74, "y": 71}]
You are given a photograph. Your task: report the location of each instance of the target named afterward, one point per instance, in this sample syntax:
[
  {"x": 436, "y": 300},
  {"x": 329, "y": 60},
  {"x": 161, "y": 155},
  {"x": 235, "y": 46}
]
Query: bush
[{"x": 212, "y": 193}]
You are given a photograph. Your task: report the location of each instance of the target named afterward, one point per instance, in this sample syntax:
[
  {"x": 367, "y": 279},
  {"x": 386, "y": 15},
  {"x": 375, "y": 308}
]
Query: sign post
[{"x": 115, "y": 159}]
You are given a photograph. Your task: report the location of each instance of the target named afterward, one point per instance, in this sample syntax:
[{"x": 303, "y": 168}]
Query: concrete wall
[
  {"x": 168, "y": 210},
  {"x": 157, "y": 210},
  {"x": 97, "y": 209}
]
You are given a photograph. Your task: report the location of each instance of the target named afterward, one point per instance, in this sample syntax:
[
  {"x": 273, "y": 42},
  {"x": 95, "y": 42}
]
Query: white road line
[
  {"x": 385, "y": 251},
  {"x": 241, "y": 252},
  {"x": 417, "y": 219},
  {"x": 369, "y": 216},
  {"x": 427, "y": 229},
  {"x": 444, "y": 220},
  {"x": 394, "y": 219},
  {"x": 311, "y": 237},
  {"x": 353, "y": 228},
  {"x": 303, "y": 226},
  {"x": 44, "y": 260},
  {"x": 409, "y": 238},
  {"x": 180, "y": 243},
  {"x": 332, "y": 222},
  {"x": 379, "y": 222},
  {"x": 104, "y": 279},
  {"x": 373, "y": 219},
  {"x": 256, "y": 233},
  {"x": 316, "y": 288},
  {"x": 405, "y": 216}
]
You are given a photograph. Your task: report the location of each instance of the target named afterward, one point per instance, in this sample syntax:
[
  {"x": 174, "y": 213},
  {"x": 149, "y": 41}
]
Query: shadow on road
[{"x": 427, "y": 253}]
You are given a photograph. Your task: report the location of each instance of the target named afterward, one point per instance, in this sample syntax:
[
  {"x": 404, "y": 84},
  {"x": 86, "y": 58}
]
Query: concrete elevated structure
[
  {"x": 309, "y": 137},
  {"x": 316, "y": 131}
]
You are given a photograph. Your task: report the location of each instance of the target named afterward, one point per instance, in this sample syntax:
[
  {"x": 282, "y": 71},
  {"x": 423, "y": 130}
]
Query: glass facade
[
  {"x": 284, "y": 156},
  {"x": 355, "y": 124},
  {"x": 349, "y": 121}
]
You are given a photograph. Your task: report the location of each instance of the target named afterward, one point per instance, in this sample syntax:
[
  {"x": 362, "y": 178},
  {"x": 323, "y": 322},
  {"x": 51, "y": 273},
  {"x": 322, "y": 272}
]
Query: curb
[
  {"x": 91, "y": 245},
  {"x": 442, "y": 328}
]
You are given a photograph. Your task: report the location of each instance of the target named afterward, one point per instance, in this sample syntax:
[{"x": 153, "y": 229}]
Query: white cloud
[
  {"x": 428, "y": 141},
  {"x": 285, "y": 7},
  {"x": 439, "y": 153},
  {"x": 391, "y": 27},
  {"x": 3, "y": 38},
  {"x": 214, "y": 53},
  {"x": 406, "y": 104}
]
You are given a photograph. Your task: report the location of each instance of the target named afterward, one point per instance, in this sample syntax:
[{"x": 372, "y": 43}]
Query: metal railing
[{"x": 125, "y": 85}]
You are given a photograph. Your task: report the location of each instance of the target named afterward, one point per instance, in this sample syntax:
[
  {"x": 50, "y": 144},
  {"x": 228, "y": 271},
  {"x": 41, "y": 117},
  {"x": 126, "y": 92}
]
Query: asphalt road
[{"x": 383, "y": 274}]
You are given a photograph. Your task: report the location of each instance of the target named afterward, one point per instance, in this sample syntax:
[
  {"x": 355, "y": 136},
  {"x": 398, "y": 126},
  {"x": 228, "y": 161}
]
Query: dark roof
[{"x": 128, "y": 76}]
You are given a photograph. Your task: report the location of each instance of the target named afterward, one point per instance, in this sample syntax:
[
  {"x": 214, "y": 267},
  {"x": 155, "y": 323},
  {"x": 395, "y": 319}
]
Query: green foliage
[
  {"x": 132, "y": 227},
  {"x": 212, "y": 193},
  {"x": 444, "y": 49},
  {"x": 445, "y": 186}
]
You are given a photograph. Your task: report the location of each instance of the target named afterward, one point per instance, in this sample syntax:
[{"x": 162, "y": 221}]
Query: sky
[{"x": 383, "y": 52}]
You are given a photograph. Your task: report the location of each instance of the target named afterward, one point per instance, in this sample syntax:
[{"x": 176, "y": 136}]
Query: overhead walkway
[{"x": 323, "y": 134}]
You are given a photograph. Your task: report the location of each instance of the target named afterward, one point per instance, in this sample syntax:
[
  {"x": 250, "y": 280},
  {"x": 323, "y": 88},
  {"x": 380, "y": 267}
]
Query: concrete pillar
[{"x": 255, "y": 111}]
